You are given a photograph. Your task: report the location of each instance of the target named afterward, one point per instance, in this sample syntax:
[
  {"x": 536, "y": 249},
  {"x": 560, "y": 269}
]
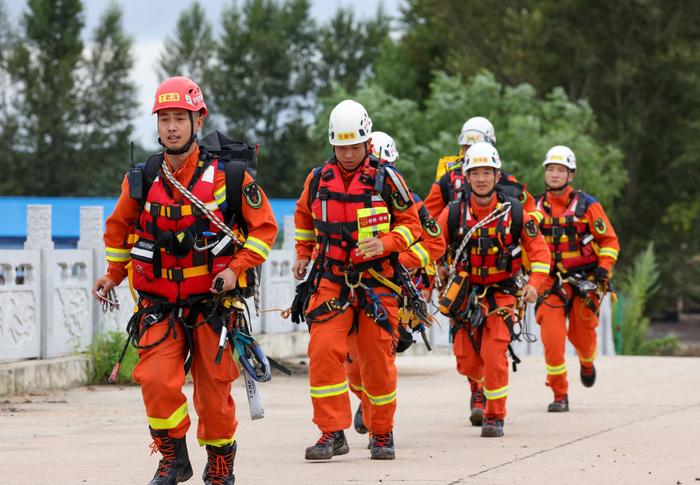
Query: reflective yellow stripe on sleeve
[
  {"x": 537, "y": 216},
  {"x": 405, "y": 234},
  {"x": 304, "y": 235},
  {"x": 609, "y": 252},
  {"x": 329, "y": 391},
  {"x": 117, "y": 255},
  {"x": 220, "y": 195},
  {"x": 537, "y": 267},
  {"x": 171, "y": 421},
  {"x": 257, "y": 246},
  {"x": 419, "y": 250}
]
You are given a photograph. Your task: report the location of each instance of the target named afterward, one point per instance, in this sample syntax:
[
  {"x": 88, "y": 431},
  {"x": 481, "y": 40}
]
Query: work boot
[
  {"x": 219, "y": 467},
  {"x": 382, "y": 446},
  {"x": 175, "y": 466},
  {"x": 588, "y": 375},
  {"x": 492, "y": 428},
  {"x": 359, "y": 425},
  {"x": 330, "y": 443},
  {"x": 559, "y": 405},
  {"x": 476, "y": 403}
]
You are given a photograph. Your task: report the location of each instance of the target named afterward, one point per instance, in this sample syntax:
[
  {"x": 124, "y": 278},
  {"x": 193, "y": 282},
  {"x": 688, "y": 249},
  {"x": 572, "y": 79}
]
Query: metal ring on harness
[{"x": 251, "y": 356}]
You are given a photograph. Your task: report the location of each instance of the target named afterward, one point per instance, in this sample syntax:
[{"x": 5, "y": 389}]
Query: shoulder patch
[
  {"x": 531, "y": 228},
  {"x": 252, "y": 195},
  {"x": 398, "y": 201},
  {"x": 432, "y": 228},
  {"x": 600, "y": 226}
]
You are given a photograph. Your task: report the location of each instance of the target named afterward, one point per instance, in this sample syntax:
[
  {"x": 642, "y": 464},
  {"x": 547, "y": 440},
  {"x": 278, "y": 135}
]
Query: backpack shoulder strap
[
  {"x": 150, "y": 169},
  {"x": 315, "y": 182},
  {"x": 453, "y": 213},
  {"x": 234, "y": 171},
  {"x": 516, "y": 218}
]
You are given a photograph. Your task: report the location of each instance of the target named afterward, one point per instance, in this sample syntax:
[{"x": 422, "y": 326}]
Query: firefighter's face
[
  {"x": 350, "y": 156},
  {"x": 174, "y": 127},
  {"x": 557, "y": 176},
  {"x": 482, "y": 180}
]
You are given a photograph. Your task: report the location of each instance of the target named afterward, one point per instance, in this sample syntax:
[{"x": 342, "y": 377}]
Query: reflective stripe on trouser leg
[
  {"x": 493, "y": 351},
  {"x": 161, "y": 375},
  {"x": 552, "y": 320},
  {"x": 377, "y": 355},
  {"x": 212, "y": 389},
  {"x": 328, "y": 350},
  {"x": 582, "y": 330}
]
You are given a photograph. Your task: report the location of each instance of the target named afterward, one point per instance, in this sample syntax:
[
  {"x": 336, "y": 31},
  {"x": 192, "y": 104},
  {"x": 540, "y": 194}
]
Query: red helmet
[{"x": 180, "y": 92}]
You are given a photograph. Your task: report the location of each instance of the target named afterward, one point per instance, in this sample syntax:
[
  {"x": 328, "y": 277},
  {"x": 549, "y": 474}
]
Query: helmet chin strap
[{"x": 186, "y": 147}]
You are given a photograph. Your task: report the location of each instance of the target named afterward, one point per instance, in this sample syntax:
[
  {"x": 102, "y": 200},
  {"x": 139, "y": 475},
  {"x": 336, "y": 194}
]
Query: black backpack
[{"x": 238, "y": 157}]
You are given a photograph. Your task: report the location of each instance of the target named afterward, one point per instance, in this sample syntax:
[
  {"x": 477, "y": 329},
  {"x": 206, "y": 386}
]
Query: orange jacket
[
  {"x": 394, "y": 240},
  {"x": 118, "y": 237},
  {"x": 429, "y": 248},
  {"x": 531, "y": 240},
  {"x": 598, "y": 224}
]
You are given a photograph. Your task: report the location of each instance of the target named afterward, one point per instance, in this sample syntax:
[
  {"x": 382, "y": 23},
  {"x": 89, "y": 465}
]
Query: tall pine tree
[
  {"x": 44, "y": 75},
  {"x": 190, "y": 52},
  {"x": 107, "y": 103}
]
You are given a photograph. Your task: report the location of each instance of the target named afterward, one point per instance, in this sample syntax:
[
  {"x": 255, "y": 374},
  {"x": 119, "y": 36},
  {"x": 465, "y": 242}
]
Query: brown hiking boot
[
  {"x": 219, "y": 467},
  {"x": 330, "y": 443},
  {"x": 559, "y": 405},
  {"x": 175, "y": 465}
]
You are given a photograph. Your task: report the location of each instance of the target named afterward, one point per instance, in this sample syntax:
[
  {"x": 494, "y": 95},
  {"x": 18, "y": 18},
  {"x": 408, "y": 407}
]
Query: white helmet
[
  {"x": 481, "y": 155},
  {"x": 475, "y": 130},
  {"x": 383, "y": 146},
  {"x": 349, "y": 124},
  {"x": 561, "y": 155}
]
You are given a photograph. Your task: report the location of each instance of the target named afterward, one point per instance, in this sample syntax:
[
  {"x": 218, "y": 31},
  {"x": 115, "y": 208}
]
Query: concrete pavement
[{"x": 640, "y": 424}]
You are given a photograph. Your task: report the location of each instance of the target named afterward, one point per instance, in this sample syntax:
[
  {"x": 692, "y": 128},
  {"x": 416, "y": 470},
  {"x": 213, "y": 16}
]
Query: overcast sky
[{"x": 150, "y": 21}]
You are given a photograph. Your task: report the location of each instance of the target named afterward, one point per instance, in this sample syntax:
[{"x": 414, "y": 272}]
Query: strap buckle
[
  {"x": 173, "y": 211},
  {"x": 175, "y": 274}
]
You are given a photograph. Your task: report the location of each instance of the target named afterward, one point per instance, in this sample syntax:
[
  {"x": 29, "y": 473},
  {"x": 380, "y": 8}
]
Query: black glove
[{"x": 601, "y": 275}]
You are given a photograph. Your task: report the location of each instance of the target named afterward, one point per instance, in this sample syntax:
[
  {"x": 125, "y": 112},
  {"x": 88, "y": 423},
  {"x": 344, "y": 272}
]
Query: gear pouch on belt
[
  {"x": 372, "y": 221},
  {"x": 145, "y": 256},
  {"x": 455, "y": 300}
]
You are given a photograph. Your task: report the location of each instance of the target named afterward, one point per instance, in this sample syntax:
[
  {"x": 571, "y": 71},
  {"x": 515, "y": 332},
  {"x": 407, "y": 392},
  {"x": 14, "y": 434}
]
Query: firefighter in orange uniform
[
  {"x": 419, "y": 258},
  {"x": 450, "y": 185},
  {"x": 584, "y": 250},
  {"x": 357, "y": 212},
  {"x": 486, "y": 234},
  {"x": 177, "y": 255}
]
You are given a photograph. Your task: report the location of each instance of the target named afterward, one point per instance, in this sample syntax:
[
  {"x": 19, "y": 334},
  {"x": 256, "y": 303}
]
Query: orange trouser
[
  {"x": 551, "y": 315},
  {"x": 161, "y": 374},
  {"x": 489, "y": 365},
  {"x": 375, "y": 350}
]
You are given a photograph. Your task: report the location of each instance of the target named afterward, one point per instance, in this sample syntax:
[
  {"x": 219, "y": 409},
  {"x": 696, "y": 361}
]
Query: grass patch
[{"x": 105, "y": 351}]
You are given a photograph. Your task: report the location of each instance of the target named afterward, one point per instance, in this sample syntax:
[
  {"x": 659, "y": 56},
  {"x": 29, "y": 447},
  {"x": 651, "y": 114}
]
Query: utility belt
[
  {"x": 463, "y": 304},
  {"x": 581, "y": 286},
  {"x": 361, "y": 280}
]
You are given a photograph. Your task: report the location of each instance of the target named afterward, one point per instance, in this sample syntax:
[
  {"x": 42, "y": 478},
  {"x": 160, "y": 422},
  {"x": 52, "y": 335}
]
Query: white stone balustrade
[{"x": 47, "y": 310}]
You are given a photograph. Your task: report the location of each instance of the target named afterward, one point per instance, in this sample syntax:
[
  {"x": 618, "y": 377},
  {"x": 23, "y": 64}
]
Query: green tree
[
  {"x": 636, "y": 63},
  {"x": 107, "y": 102},
  {"x": 8, "y": 117},
  {"x": 44, "y": 76},
  {"x": 527, "y": 126},
  {"x": 191, "y": 50},
  {"x": 264, "y": 82},
  {"x": 348, "y": 48}
]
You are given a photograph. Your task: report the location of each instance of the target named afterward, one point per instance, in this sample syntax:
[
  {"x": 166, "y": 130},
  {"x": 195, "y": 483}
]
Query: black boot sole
[{"x": 477, "y": 417}]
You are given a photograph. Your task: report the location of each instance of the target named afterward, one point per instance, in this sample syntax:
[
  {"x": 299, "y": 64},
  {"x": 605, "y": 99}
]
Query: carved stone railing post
[
  {"x": 288, "y": 234},
  {"x": 91, "y": 231},
  {"x": 39, "y": 237}
]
